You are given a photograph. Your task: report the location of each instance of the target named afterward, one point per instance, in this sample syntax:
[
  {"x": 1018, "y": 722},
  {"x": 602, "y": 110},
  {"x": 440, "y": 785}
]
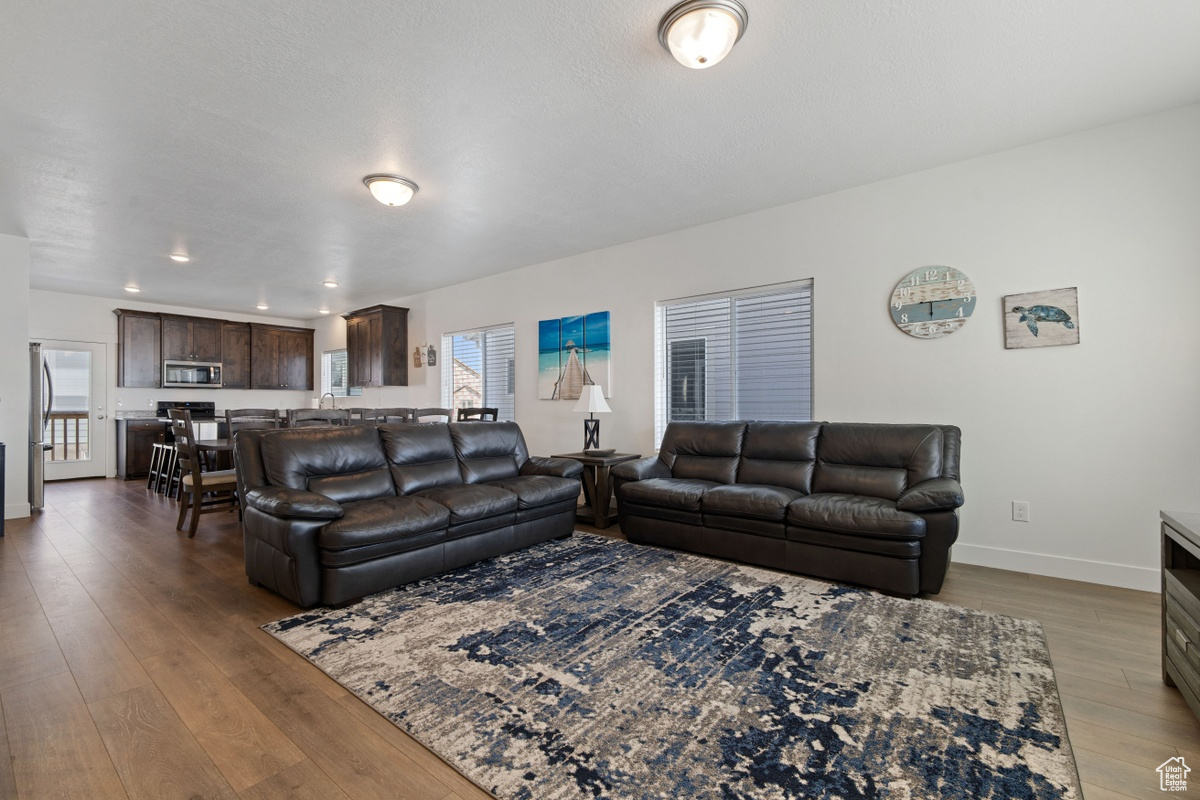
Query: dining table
[{"x": 221, "y": 448}]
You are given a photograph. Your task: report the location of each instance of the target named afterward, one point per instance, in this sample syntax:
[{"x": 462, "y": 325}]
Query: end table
[{"x": 597, "y": 488}]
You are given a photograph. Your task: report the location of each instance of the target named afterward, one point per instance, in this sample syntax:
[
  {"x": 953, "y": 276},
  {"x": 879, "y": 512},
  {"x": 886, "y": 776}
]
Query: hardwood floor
[{"x": 132, "y": 665}]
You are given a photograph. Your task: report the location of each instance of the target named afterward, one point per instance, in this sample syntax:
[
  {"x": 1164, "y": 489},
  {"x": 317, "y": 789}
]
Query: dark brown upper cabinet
[
  {"x": 235, "y": 355},
  {"x": 377, "y": 346},
  {"x": 191, "y": 339},
  {"x": 139, "y": 349},
  {"x": 281, "y": 358}
]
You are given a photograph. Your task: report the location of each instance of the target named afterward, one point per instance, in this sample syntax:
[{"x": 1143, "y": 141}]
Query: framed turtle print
[{"x": 1041, "y": 319}]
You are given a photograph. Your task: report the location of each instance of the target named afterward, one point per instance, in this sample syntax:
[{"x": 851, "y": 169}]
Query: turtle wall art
[{"x": 1041, "y": 319}]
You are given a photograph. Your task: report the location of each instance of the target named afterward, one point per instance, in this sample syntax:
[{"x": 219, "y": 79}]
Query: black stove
[{"x": 201, "y": 409}]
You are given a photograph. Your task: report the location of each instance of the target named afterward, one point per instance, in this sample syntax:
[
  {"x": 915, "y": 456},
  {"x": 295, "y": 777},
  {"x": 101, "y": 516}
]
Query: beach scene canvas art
[{"x": 573, "y": 351}]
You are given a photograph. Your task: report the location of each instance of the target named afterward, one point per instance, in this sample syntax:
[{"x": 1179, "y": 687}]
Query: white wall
[
  {"x": 72, "y": 317},
  {"x": 1096, "y": 437},
  {"x": 14, "y": 372}
]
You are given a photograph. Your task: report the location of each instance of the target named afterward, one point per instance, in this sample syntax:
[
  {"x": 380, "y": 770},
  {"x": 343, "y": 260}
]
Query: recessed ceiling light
[
  {"x": 324, "y": 311},
  {"x": 180, "y": 257},
  {"x": 132, "y": 289},
  {"x": 391, "y": 190},
  {"x": 699, "y": 33},
  {"x": 330, "y": 284},
  {"x": 262, "y": 306}
]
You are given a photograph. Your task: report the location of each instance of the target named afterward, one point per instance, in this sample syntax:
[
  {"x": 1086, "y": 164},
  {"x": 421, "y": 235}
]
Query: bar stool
[
  {"x": 168, "y": 475},
  {"x": 158, "y": 457}
]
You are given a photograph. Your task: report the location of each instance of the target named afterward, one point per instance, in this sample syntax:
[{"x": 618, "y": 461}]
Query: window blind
[
  {"x": 479, "y": 370},
  {"x": 334, "y": 371},
  {"x": 736, "y": 355}
]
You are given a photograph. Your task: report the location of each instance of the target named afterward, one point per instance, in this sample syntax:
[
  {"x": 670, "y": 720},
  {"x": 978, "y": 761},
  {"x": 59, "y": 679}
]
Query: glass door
[{"x": 76, "y": 427}]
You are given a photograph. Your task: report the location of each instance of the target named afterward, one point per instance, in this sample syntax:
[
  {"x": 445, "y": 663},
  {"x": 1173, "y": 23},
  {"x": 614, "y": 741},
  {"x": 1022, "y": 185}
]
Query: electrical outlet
[{"x": 1020, "y": 511}]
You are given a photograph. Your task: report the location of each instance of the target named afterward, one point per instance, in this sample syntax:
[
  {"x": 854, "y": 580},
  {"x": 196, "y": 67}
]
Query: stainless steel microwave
[{"x": 191, "y": 375}]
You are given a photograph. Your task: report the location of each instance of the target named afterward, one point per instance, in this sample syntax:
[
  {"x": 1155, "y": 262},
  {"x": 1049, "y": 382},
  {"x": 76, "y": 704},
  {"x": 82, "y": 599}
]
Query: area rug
[{"x": 591, "y": 667}]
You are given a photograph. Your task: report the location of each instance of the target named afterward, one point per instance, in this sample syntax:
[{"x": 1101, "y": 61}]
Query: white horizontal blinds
[
  {"x": 773, "y": 348},
  {"x": 479, "y": 368},
  {"x": 334, "y": 375},
  {"x": 740, "y": 355}
]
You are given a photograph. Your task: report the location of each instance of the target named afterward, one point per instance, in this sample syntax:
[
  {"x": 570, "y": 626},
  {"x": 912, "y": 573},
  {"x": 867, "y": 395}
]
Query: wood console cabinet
[
  {"x": 1181, "y": 604},
  {"x": 235, "y": 355},
  {"x": 377, "y": 346},
  {"x": 139, "y": 349},
  {"x": 281, "y": 358},
  {"x": 191, "y": 339}
]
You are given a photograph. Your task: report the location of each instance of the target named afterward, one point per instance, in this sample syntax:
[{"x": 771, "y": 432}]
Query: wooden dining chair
[
  {"x": 242, "y": 419},
  {"x": 478, "y": 414},
  {"x": 432, "y": 415},
  {"x": 202, "y": 492},
  {"x": 379, "y": 416},
  {"x": 317, "y": 417}
]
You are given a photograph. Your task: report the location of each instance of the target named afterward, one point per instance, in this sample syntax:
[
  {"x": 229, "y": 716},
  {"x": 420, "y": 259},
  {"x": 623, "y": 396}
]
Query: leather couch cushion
[
  {"x": 760, "y": 502},
  {"x": 351, "y": 458},
  {"x": 779, "y": 454},
  {"x": 539, "y": 490},
  {"x": 876, "y": 545},
  {"x": 488, "y": 452},
  {"x": 678, "y": 493},
  {"x": 472, "y": 502},
  {"x": 705, "y": 451},
  {"x": 420, "y": 456},
  {"x": 875, "y": 459},
  {"x": 854, "y": 514},
  {"x": 385, "y": 519}
]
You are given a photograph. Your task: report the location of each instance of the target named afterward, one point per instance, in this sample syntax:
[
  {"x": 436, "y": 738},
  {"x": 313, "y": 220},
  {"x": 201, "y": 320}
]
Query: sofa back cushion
[
  {"x": 951, "y": 447},
  {"x": 779, "y": 454},
  {"x": 343, "y": 463},
  {"x": 488, "y": 451},
  {"x": 420, "y": 456},
  {"x": 876, "y": 459},
  {"x": 704, "y": 450}
]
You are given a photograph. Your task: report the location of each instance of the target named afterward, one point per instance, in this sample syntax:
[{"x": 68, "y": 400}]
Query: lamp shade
[{"x": 591, "y": 400}]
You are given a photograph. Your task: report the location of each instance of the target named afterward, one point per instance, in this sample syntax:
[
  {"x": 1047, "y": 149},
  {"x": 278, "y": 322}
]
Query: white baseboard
[
  {"x": 1146, "y": 579},
  {"x": 16, "y": 510}
]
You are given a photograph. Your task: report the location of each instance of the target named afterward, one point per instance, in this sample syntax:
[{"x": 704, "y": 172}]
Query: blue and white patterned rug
[{"x": 591, "y": 667}]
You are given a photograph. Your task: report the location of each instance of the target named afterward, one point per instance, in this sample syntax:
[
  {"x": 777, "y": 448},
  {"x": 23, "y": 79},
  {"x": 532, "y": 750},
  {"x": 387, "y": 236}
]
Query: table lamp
[{"x": 591, "y": 401}]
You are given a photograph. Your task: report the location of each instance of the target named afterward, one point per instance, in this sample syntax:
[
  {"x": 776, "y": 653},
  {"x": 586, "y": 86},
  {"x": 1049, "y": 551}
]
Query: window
[
  {"x": 735, "y": 355},
  {"x": 334, "y": 375},
  {"x": 478, "y": 370}
]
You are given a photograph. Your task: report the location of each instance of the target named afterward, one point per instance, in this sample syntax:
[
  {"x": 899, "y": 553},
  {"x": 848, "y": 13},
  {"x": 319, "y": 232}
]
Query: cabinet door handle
[{"x": 1183, "y": 639}]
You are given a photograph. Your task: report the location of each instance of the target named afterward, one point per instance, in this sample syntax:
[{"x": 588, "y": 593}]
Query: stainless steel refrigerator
[{"x": 41, "y": 387}]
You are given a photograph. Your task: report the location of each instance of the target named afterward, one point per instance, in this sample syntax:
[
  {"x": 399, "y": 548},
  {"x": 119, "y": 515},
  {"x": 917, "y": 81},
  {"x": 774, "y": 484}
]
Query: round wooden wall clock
[{"x": 931, "y": 302}]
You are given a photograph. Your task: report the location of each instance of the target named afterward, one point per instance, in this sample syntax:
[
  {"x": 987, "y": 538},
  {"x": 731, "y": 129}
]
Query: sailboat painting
[{"x": 573, "y": 351}]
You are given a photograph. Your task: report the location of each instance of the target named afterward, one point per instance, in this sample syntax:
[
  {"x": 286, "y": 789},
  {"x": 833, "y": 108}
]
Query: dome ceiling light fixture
[
  {"x": 391, "y": 190},
  {"x": 180, "y": 257},
  {"x": 699, "y": 33}
]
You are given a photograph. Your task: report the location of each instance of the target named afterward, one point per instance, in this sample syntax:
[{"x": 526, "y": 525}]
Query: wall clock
[{"x": 931, "y": 302}]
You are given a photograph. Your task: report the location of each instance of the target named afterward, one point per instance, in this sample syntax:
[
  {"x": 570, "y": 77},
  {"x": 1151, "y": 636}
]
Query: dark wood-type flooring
[{"x": 132, "y": 665}]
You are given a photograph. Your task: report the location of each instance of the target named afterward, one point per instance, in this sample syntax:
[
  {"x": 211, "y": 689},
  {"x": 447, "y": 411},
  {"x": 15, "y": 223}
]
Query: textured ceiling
[{"x": 240, "y": 132}]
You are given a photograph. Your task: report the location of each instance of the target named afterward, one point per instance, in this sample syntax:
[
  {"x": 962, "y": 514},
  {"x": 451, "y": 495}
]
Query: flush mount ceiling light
[
  {"x": 323, "y": 311},
  {"x": 391, "y": 190},
  {"x": 699, "y": 33},
  {"x": 330, "y": 284},
  {"x": 262, "y": 306},
  {"x": 133, "y": 289},
  {"x": 180, "y": 257}
]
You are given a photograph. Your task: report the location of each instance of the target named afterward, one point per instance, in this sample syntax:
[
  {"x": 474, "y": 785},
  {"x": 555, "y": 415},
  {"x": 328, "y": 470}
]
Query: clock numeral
[
  {"x": 933, "y": 328},
  {"x": 930, "y": 274},
  {"x": 962, "y": 286},
  {"x": 947, "y": 277},
  {"x": 959, "y": 313},
  {"x": 896, "y": 304},
  {"x": 968, "y": 297},
  {"x": 904, "y": 317},
  {"x": 905, "y": 291}
]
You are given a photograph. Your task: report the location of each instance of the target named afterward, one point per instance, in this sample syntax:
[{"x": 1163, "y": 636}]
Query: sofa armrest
[
  {"x": 641, "y": 470},
  {"x": 556, "y": 467},
  {"x": 935, "y": 494},
  {"x": 280, "y": 501}
]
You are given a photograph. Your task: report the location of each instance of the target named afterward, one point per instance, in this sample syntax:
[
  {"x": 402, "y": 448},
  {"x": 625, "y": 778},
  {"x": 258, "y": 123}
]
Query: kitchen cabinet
[
  {"x": 139, "y": 349},
  {"x": 377, "y": 346},
  {"x": 235, "y": 355},
  {"x": 281, "y": 358},
  {"x": 191, "y": 339},
  {"x": 135, "y": 445}
]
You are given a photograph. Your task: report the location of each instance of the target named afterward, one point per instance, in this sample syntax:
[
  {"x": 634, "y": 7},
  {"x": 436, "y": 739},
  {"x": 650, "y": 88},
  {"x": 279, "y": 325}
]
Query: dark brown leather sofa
[
  {"x": 872, "y": 504},
  {"x": 333, "y": 514}
]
